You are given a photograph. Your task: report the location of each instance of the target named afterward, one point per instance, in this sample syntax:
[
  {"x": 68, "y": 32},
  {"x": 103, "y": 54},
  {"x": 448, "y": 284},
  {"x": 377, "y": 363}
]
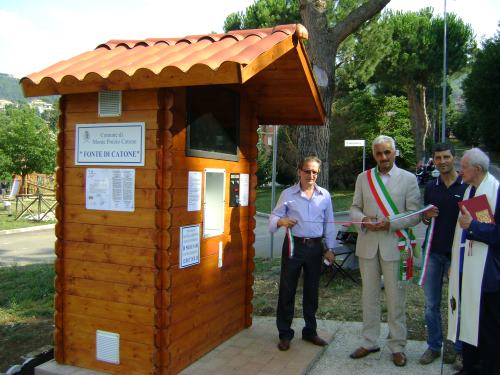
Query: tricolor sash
[
  {"x": 406, "y": 239},
  {"x": 291, "y": 244},
  {"x": 426, "y": 251}
]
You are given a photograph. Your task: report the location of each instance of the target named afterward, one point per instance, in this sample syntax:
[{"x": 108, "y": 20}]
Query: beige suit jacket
[{"x": 403, "y": 188}]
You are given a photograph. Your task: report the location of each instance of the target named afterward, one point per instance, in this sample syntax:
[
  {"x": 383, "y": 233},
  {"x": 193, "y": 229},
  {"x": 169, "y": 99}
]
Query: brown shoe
[
  {"x": 399, "y": 359},
  {"x": 362, "y": 352},
  {"x": 284, "y": 345},
  {"x": 316, "y": 340}
]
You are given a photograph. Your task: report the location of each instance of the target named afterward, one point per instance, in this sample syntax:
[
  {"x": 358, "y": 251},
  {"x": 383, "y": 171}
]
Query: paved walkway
[{"x": 253, "y": 352}]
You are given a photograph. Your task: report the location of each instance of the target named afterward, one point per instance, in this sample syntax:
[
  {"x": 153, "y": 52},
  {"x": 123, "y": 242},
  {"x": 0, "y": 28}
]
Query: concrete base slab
[
  {"x": 254, "y": 351},
  {"x": 336, "y": 358},
  {"x": 54, "y": 368}
]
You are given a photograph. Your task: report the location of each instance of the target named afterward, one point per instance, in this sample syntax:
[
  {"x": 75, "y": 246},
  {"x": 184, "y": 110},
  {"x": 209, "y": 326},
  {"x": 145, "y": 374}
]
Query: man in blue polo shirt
[{"x": 444, "y": 192}]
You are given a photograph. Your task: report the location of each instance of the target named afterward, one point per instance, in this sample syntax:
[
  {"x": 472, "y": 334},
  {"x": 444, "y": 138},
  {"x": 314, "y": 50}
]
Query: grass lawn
[
  {"x": 26, "y": 305},
  {"x": 8, "y": 222},
  {"x": 341, "y": 300},
  {"x": 26, "y": 311},
  {"x": 341, "y": 199}
]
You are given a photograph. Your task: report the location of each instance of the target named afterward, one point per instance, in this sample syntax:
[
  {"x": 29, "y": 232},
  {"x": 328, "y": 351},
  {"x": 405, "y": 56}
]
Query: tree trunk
[
  {"x": 23, "y": 188},
  {"x": 418, "y": 117},
  {"x": 322, "y": 51}
]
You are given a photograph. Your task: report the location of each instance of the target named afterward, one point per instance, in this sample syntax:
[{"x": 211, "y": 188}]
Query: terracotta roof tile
[
  {"x": 156, "y": 54},
  {"x": 231, "y": 58}
]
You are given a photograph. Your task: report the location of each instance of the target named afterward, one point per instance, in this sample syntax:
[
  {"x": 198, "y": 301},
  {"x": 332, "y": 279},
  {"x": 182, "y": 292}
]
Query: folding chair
[{"x": 342, "y": 255}]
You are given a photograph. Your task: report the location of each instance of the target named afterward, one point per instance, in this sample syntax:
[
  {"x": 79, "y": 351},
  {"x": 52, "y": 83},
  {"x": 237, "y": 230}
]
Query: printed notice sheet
[
  {"x": 189, "y": 250},
  {"x": 244, "y": 185},
  {"x": 110, "y": 189},
  {"x": 194, "y": 191}
]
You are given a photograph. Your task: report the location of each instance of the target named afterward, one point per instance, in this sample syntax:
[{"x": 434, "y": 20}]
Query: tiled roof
[{"x": 232, "y": 58}]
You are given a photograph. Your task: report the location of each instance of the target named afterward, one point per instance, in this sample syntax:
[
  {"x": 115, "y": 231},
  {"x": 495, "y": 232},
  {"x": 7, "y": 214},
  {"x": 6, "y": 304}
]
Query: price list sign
[{"x": 189, "y": 250}]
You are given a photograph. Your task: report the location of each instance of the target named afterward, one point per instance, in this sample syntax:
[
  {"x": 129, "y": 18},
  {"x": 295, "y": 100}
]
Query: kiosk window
[
  {"x": 213, "y": 115},
  {"x": 213, "y": 204}
]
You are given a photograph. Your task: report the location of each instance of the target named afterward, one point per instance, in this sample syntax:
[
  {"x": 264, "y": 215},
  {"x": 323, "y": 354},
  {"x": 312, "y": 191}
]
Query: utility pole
[
  {"x": 443, "y": 135},
  {"x": 273, "y": 180}
]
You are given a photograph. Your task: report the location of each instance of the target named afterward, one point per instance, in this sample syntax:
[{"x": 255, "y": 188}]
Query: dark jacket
[{"x": 490, "y": 235}]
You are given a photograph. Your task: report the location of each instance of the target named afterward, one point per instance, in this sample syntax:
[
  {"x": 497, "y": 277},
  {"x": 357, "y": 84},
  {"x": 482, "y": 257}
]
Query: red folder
[{"x": 479, "y": 209}]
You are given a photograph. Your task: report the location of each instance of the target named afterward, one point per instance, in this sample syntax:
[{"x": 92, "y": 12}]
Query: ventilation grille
[
  {"x": 108, "y": 347},
  {"x": 110, "y": 103}
]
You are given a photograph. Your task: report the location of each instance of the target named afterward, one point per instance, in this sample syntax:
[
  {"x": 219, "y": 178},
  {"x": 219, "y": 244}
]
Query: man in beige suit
[{"x": 382, "y": 192}]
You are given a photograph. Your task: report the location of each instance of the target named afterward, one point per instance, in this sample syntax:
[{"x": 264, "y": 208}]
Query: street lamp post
[
  {"x": 273, "y": 181},
  {"x": 443, "y": 135}
]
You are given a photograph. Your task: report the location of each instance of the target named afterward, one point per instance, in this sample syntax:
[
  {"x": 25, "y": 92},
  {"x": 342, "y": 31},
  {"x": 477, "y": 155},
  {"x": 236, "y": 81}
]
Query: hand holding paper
[
  {"x": 374, "y": 224},
  {"x": 433, "y": 212}
]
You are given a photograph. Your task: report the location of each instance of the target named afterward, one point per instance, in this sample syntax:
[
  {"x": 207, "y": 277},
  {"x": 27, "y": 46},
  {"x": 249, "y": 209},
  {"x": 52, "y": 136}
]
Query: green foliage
[
  {"x": 341, "y": 200},
  {"x": 460, "y": 45},
  {"x": 269, "y": 13},
  {"x": 364, "y": 115},
  {"x": 27, "y": 144},
  {"x": 287, "y": 155},
  {"x": 416, "y": 50},
  {"x": 462, "y": 126},
  {"x": 233, "y": 22},
  {"x": 393, "y": 120},
  {"x": 10, "y": 89},
  {"x": 414, "y": 63},
  {"x": 5, "y": 175},
  {"x": 264, "y": 13},
  {"x": 51, "y": 116},
  {"x": 411, "y": 35},
  {"x": 481, "y": 90},
  {"x": 360, "y": 54},
  {"x": 264, "y": 163}
]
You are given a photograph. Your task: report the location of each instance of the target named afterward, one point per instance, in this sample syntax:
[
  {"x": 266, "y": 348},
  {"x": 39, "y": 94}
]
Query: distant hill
[{"x": 11, "y": 90}]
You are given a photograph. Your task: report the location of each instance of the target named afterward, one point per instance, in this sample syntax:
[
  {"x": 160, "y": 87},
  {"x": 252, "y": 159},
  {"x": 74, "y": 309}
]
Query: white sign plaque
[
  {"x": 189, "y": 249},
  {"x": 194, "y": 191},
  {"x": 110, "y": 144},
  {"x": 110, "y": 189},
  {"x": 244, "y": 189},
  {"x": 354, "y": 143}
]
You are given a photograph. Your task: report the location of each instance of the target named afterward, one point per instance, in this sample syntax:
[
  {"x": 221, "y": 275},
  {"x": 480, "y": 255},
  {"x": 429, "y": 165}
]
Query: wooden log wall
[
  {"x": 111, "y": 270},
  {"x": 119, "y": 271},
  {"x": 210, "y": 304}
]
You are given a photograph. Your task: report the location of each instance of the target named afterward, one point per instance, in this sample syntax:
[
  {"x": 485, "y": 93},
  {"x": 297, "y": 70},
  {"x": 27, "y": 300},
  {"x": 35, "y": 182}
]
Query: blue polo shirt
[{"x": 446, "y": 200}]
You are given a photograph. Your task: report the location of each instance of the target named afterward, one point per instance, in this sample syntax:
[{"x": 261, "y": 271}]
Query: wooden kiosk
[{"x": 156, "y": 190}]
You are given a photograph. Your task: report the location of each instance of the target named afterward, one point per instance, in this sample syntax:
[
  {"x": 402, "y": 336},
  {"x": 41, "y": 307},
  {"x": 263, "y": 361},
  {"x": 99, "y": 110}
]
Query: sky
[{"x": 35, "y": 34}]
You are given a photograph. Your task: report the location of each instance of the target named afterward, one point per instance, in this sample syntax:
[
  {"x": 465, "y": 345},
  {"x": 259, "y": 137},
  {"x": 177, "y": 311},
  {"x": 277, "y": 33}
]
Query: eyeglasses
[{"x": 310, "y": 171}]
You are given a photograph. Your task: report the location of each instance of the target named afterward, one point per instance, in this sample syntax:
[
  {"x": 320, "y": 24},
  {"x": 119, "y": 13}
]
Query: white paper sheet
[{"x": 110, "y": 189}]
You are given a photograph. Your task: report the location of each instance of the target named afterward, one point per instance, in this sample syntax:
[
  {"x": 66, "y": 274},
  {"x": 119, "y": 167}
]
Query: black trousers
[
  {"x": 486, "y": 356},
  {"x": 307, "y": 256}
]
